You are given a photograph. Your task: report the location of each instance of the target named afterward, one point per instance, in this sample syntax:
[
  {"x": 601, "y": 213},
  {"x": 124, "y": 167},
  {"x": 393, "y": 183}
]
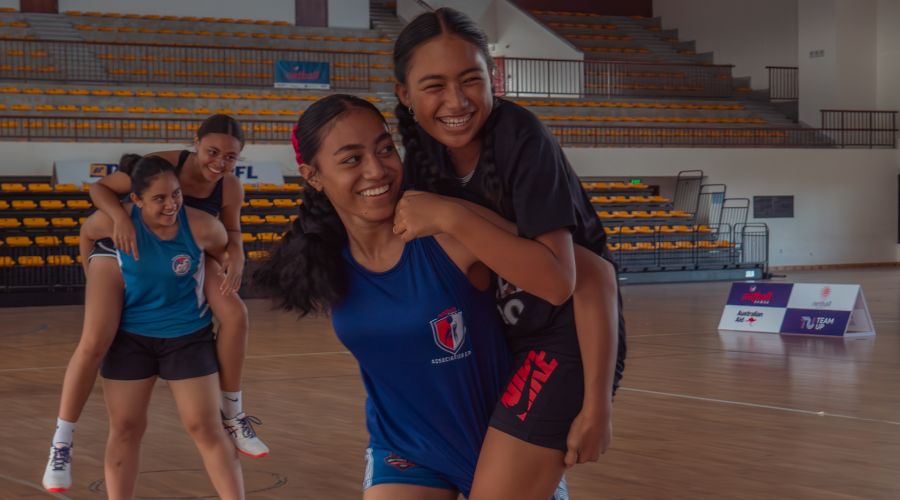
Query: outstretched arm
[{"x": 106, "y": 195}]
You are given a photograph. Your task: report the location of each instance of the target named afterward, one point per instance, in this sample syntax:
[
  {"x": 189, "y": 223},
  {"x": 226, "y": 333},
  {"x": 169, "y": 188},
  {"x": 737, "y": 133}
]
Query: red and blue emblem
[
  {"x": 449, "y": 330},
  {"x": 181, "y": 264}
]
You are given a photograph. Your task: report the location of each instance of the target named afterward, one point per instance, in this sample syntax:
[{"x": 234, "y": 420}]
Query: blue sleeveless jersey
[
  {"x": 433, "y": 358},
  {"x": 164, "y": 289}
]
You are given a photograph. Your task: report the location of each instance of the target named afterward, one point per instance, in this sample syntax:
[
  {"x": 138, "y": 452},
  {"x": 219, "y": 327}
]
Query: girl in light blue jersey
[{"x": 165, "y": 331}]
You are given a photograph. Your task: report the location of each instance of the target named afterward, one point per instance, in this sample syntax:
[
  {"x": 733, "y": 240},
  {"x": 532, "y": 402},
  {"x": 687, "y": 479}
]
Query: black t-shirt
[{"x": 541, "y": 193}]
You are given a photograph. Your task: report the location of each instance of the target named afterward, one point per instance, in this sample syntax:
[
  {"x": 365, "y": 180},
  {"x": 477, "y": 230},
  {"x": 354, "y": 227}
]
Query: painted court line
[{"x": 761, "y": 406}]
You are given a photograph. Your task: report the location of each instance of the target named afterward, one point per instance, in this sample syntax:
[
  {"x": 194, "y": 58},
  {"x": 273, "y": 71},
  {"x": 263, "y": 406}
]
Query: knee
[
  {"x": 127, "y": 429},
  {"x": 205, "y": 431},
  {"x": 234, "y": 315}
]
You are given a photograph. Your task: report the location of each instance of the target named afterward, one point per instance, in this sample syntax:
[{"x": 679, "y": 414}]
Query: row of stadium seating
[
  {"x": 236, "y": 34},
  {"x": 190, "y": 19}
]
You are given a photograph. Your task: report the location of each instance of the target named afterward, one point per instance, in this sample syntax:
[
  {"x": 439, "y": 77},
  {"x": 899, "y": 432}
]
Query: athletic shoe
[
  {"x": 58, "y": 474},
  {"x": 243, "y": 435}
]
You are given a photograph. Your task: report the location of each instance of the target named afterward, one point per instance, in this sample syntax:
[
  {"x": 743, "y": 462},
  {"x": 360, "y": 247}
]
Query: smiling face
[
  {"x": 160, "y": 201},
  {"x": 358, "y": 168},
  {"x": 448, "y": 87},
  {"x": 217, "y": 155}
]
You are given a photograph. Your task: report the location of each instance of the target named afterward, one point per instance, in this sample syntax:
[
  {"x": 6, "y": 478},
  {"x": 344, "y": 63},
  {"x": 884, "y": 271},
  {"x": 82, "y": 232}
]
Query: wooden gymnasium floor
[{"x": 701, "y": 414}]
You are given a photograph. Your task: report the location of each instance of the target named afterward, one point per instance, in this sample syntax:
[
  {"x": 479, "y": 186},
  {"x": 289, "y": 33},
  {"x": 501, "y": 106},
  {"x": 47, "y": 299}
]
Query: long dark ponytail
[
  {"x": 306, "y": 272},
  {"x": 420, "y": 169}
]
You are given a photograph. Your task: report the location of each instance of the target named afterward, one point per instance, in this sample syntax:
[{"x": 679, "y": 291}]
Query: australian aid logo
[
  {"x": 449, "y": 331},
  {"x": 748, "y": 317}
]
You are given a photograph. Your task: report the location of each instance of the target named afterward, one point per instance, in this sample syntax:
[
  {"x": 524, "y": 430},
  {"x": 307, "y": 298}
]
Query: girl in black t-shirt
[{"x": 463, "y": 143}]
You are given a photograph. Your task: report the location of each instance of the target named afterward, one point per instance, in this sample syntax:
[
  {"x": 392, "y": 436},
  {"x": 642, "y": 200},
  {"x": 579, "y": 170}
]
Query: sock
[
  {"x": 64, "y": 431},
  {"x": 231, "y": 404}
]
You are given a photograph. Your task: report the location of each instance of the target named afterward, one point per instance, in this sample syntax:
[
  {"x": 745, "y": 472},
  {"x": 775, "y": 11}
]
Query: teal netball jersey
[{"x": 164, "y": 289}]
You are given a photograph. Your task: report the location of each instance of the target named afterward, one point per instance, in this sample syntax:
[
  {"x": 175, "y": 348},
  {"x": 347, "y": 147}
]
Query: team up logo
[
  {"x": 181, "y": 264},
  {"x": 815, "y": 323},
  {"x": 756, "y": 297},
  {"x": 748, "y": 317}
]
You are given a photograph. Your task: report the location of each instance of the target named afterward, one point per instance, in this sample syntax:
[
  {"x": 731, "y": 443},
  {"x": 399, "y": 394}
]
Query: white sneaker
[
  {"x": 243, "y": 435},
  {"x": 58, "y": 474}
]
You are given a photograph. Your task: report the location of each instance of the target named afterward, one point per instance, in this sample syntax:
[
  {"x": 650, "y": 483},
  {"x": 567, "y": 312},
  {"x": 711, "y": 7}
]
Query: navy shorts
[
  {"x": 543, "y": 396},
  {"x": 136, "y": 357},
  {"x": 103, "y": 248}
]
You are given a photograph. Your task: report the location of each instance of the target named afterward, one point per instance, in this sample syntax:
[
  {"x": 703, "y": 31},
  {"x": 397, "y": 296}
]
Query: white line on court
[
  {"x": 34, "y": 487},
  {"x": 258, "y": 356},
  {"x": 761, "y": 406}
]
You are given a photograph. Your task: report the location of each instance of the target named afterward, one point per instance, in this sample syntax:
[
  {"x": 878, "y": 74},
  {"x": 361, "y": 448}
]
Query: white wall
[
  {"x": 9, "y": 4},
  {"x": 888, "y": 55},
  {"x": 846, "y": 77},
  {"x": 348, "y": 14},
  {"x": 511, "y": 31},
  {"x": 273, "y": 10},
  {"x": 750, "y": 35},
  {"x": 845, "y": 201}
]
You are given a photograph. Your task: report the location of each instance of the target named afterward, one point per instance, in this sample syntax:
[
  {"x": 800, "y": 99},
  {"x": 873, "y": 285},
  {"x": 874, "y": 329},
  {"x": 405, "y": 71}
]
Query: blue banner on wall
[{"x": 302, "y": 75}]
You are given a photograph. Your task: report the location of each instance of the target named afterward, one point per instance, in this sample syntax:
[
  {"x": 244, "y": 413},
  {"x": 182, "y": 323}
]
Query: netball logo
[
  {"x": 181, "y": 264},
  {"x": 449, "y": 330}
]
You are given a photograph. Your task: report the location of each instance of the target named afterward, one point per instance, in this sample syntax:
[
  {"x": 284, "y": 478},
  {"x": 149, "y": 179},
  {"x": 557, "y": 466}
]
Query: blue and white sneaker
[
  {"x": 241, "y": 430},
  {"x": 58, "y": 474}
]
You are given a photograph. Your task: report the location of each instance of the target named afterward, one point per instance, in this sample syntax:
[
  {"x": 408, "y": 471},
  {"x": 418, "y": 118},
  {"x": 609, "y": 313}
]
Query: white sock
[
  {"x": 231, "y": 404},
  {"x": 64, "y": 431}
]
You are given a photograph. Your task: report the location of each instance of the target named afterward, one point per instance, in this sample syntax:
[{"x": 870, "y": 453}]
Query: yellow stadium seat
[
  {"x": 35, "y": 222},
  {"x": 19, "y": 241},
  {"x": 24, "y": 205},
  {"x": 78, "y": 204},
  {"x": 9, "y": 223},
  {"x": 268, "y": 236},
  {"x": 6, "y": 261},
  {"x": 47, "y": 241},
  {"x": 269, "y": 187},
  {"x": 284, "y": 203},
  {"x": 277, "y": 219},
  {"x": 248, "y": 237},
  {"x": 72, "y": 240},
  {"x": 291, "y": 187},
  {"x": 4, "y": 205},
  {"x": 12, "y": 187},
  {"x": 66, "y": 188},
  {"x": 249, "y": 187},
  {"x": 257, "y": 255},
  {"x": 31, "y": 260},
  {"x": 63, "y": 222},
  {"x": 52, "y": 204},
  {"x": 60, "y": 260},
  {"x": 252, "y": 219},
  {"x": 261, "y": 203}
]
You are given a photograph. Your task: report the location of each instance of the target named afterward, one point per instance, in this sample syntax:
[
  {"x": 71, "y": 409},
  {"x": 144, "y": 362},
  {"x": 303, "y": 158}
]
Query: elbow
[{"x": 562, "y": 293}]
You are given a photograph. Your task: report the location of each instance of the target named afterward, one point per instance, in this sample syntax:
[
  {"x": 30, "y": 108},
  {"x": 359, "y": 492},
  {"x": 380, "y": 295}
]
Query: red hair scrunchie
[{"x": 296, "y": 143}]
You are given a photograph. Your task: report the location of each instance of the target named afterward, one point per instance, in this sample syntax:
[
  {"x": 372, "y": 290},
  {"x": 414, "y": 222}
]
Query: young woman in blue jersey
[
  {"x": 463, "y": 142},
  {"x": 417, "y": 316},
  {"x": 165, "y": 330},
  {"x": 209, "y": 186}
]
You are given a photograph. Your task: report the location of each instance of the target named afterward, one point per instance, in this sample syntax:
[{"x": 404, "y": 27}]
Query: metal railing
[
  {"x": 783, "y": 83},
  {"x": 600, "y": 136},
  {"x": 722, "y": 246},
  {"x": 860, "y": 128},
  {"x": 572, "y": 78},
  {"x": 127, "y": 63}
]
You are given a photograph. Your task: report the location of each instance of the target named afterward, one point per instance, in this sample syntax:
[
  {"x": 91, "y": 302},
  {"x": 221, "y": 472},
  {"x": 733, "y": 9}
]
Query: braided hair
[
  {"x": 420, "y": 169},
  {"x": 306, "y": 272}
]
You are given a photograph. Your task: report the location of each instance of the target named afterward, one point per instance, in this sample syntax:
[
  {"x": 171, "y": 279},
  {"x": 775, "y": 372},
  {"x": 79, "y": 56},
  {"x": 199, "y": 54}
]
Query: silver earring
[{"x": 413, "y": 113}]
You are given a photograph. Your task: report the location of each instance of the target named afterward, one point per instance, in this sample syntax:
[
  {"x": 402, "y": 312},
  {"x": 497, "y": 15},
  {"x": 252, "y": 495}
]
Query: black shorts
[
  {"x": 136, "y": 357},
  {"x": 103, "y": 248},
  {"x": 543, "y": 396}
]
